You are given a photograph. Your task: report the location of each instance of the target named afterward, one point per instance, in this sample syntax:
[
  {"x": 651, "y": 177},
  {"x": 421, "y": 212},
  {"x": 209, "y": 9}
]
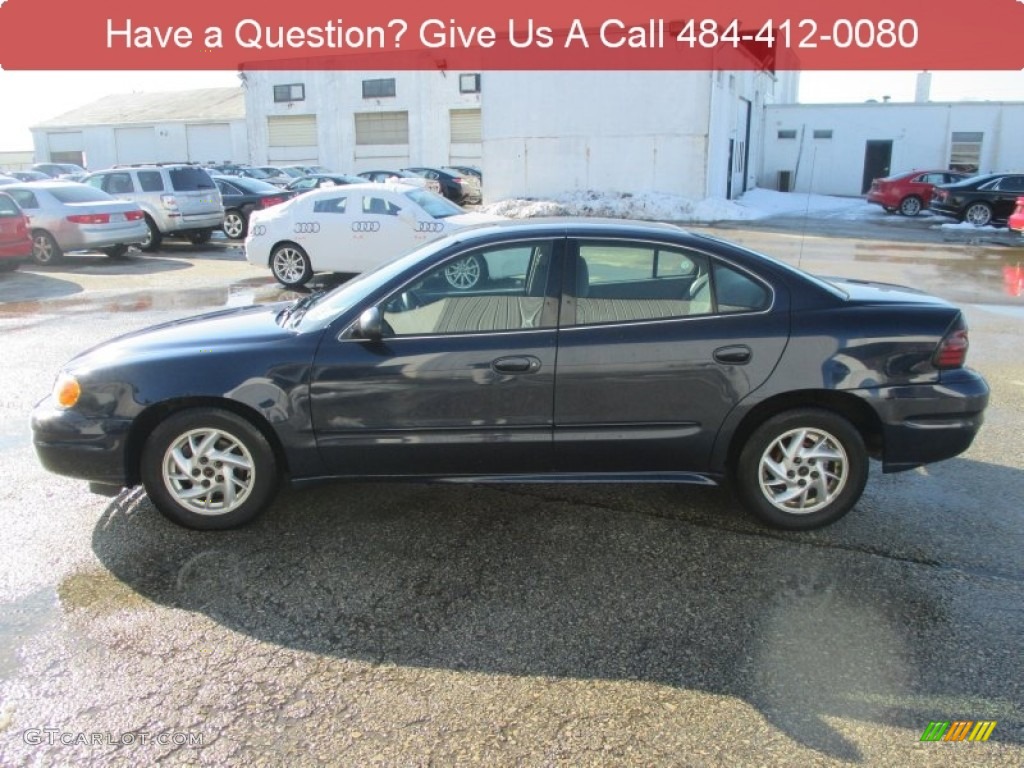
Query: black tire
[
  {"x": 116, "y": 251},
  {"x": 153, "y": 239},
  {"x": 200, "y": 237},
  {"x": 910, "y": 205},
  {"x": 45, "y": 250},
  {"x": 889, "y": 209},
  {"x": 290, "y": 265},
  {"x": 235, "y": 225},
  {"x": 201, "y": 435},
  {"x": 978, "y": 214},
  {"x": 827, "y": 475},
  {"x": 466, "y": 274}
]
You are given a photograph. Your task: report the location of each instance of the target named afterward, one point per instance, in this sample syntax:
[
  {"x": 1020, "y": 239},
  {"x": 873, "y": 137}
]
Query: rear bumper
[{"x": 924, "y": 423}]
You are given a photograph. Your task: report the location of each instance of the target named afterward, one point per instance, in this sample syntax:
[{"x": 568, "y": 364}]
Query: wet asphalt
[{"x": 409, "y": 625}]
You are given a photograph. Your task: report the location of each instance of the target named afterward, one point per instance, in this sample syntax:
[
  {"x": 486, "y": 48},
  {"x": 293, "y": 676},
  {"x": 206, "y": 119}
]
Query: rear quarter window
[{"x": 190, "y": 179}]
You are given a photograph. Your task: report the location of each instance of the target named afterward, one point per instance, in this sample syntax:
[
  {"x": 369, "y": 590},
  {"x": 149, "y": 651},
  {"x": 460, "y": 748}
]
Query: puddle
[
  {"x": 97, "y": 591},
  {"x": 22, "y": 620},
  {"x": 244, "y": 293}
]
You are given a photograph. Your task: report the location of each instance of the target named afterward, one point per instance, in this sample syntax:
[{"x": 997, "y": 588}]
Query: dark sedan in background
[
  {"x": 602, "y": 352},
  {"x": 979, "y": 200},
  {"x": 460, "y": 188},
  {"x": 241, "y": 197}
]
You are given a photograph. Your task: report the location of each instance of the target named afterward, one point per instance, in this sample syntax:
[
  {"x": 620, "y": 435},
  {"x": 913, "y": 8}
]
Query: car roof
[
  {"x": 364, "y": 186},
  {"x": 50, "y": 184}
]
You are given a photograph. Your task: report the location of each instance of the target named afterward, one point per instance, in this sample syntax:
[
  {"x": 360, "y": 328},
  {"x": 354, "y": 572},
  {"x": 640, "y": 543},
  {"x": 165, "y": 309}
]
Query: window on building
[
  {"x": 823, "y": 133},
  {"x": 380, "y": 88},
  {"x": 788, "y": 133},
  {"x": 382, "y": 128},
  {"x": 469, "y": 83},
  {"x": 291, "y": 92},
  {"x": 965, "y": 151}
]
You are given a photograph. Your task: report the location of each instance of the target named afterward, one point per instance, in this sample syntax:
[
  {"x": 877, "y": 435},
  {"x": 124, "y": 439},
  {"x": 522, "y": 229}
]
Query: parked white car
[{"x": 354, "y": 228}]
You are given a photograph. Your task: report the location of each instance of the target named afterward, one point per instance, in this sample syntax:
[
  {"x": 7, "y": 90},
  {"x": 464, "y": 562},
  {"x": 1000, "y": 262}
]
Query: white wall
[
  {"x": 920, "y": 135},
  {"x": 170, "y": 142},
  {"x": 335, "y": 96}
]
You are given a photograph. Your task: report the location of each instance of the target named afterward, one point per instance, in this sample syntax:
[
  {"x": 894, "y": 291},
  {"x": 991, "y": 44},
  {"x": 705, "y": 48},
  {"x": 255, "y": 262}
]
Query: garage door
[
  {"x": 209, "y": 143},
  {"x": 292, "y": 139},
  {"x": 466, "y": 137},
  {"x": 135, "y": 145},
  {"x": 65, "y": 147}
]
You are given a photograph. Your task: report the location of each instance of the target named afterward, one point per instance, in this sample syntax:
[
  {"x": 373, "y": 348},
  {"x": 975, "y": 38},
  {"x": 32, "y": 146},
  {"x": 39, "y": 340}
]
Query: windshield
[
  {"x": 437, "y": 206},
  {"x": 324, "y": 308}
]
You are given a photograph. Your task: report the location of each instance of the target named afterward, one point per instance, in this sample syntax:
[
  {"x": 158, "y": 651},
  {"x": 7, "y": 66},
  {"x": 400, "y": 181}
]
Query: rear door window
[
  {"x": 151, "y": 181},
  {"x": 190, "y": 179},
  {"x": 8, "y": 207},
  {"x": 24, "y": 198}
]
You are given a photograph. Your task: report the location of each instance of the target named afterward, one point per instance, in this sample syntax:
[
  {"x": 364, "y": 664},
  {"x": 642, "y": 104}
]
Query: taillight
[
  {"x": 952, "y": 350},
  {"x": 169, "y": 202},
  {"x": 266, "y": 202},
  {"x": 90, "y": 218},
  {"x": 134, "y": 215}
]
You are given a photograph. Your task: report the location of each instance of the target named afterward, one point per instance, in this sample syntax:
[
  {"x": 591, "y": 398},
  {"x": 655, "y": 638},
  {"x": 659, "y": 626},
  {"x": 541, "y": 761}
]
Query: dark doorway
[
  {"x": 877, "y": 156},
  {"x": 728, "y": 176}
]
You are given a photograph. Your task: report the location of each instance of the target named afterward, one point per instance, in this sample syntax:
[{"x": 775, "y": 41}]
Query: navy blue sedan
[{"x": 594, "y": 351}]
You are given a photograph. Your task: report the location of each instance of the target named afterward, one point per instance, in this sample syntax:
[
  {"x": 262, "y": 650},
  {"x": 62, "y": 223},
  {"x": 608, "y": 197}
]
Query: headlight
[{"x": 66, "y": 390}]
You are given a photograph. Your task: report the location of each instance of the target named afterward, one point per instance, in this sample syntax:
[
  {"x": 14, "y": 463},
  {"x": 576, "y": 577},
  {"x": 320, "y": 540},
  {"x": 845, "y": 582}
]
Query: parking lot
[{"x": 408, "y": 625}]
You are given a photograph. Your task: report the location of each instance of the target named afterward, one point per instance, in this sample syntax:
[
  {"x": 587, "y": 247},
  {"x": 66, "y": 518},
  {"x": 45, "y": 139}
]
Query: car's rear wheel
[
  {"x": 45, "y": 250},
  {"x": 200, "y": 236},
  {"x": 910, "y": 205},
  {"x": 978, "y": 214},
  {"x": 209, "y": 469},
  {"x": 466, "y": 273},
  {"x": 153, "y": 238},
  {"x": 290, "y": 265},
  {"x": 234, "y": 225},
  {"x": 802, "y": 469}
]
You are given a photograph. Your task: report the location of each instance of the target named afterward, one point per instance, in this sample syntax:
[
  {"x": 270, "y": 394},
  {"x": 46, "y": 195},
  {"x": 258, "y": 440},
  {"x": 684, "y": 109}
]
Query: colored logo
[{"x": 960, "y": 730}]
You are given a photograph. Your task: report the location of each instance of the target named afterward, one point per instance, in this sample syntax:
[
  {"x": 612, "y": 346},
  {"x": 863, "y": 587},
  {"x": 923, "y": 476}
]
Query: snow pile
[{"x": 661, "y": 206}]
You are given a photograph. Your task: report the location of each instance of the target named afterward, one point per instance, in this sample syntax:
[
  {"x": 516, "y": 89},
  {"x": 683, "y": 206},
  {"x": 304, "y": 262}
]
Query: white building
[
  {"x": 695, "y": 134},
  {"x": 206, "y": 125},
  {"x": 837, "y": 149},
  {"x": 360, "y": 121}
]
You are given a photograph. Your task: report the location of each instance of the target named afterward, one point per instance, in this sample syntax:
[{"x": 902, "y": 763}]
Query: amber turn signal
[{"x": 67, "y": 390}]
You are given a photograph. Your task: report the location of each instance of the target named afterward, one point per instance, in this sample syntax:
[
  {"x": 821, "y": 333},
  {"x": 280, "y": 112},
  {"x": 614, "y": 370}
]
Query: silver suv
[{"x": 178, "y": 199}]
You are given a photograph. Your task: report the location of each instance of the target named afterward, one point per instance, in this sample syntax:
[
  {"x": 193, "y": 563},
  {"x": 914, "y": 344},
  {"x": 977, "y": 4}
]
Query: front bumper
[
  {"x": 73, "y": 445},
  {"x": 924, "y": 423}
]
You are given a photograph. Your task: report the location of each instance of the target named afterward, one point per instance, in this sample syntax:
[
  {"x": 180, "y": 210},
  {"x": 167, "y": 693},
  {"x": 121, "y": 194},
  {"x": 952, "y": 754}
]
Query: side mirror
[{"x": 371, "y": 325}]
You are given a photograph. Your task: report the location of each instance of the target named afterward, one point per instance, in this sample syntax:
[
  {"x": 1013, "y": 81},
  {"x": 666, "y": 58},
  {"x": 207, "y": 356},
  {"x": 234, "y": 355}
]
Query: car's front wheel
[
  {"x": 116, "y": 251},
  {"x": 910, "y": 206},
  {"x": 234, "y": 225},
  {"x": 978, "y": 214},
  {"x": 802, "y": 469},
  {"x": 45, "y": 250},
  {"x": 290, "y": 265},
  {"x": 209, "y": 469}
]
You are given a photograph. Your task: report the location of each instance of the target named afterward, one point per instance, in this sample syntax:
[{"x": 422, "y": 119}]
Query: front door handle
[
  {"x": 736, "y": 354},
  {"x": 519, "y": 364}
]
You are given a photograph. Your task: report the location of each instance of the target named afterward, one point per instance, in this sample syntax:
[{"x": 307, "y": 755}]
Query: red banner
[{"x": 526, "y": 35}]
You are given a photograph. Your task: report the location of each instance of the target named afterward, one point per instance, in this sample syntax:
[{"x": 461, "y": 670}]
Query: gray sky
[{"x": 32, "y": 97}]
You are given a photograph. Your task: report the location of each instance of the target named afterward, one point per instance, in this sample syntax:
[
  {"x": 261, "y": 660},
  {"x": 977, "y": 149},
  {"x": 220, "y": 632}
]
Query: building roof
[{"x": 171, "y": 106}]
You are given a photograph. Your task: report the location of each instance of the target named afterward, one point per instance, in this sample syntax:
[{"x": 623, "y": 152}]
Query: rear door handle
[
  {"x": 737, "y": 354},
  {"x": 519, "y": 364}
]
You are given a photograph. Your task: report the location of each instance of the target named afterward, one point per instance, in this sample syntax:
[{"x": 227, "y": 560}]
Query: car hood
[
  {"x": 867, "y": 292},
  {"x": 225, "y": 330}
]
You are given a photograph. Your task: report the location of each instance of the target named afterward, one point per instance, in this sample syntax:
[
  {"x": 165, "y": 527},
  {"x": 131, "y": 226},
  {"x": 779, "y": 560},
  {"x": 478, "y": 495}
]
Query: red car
[
  {"x": 910, "y": 192},
  {"x": 1016, "y": 221},
  {"x": 15, "y": 242}
]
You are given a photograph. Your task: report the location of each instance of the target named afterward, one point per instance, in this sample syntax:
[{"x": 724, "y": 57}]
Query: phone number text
[{"x": 802, "y": 33}]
